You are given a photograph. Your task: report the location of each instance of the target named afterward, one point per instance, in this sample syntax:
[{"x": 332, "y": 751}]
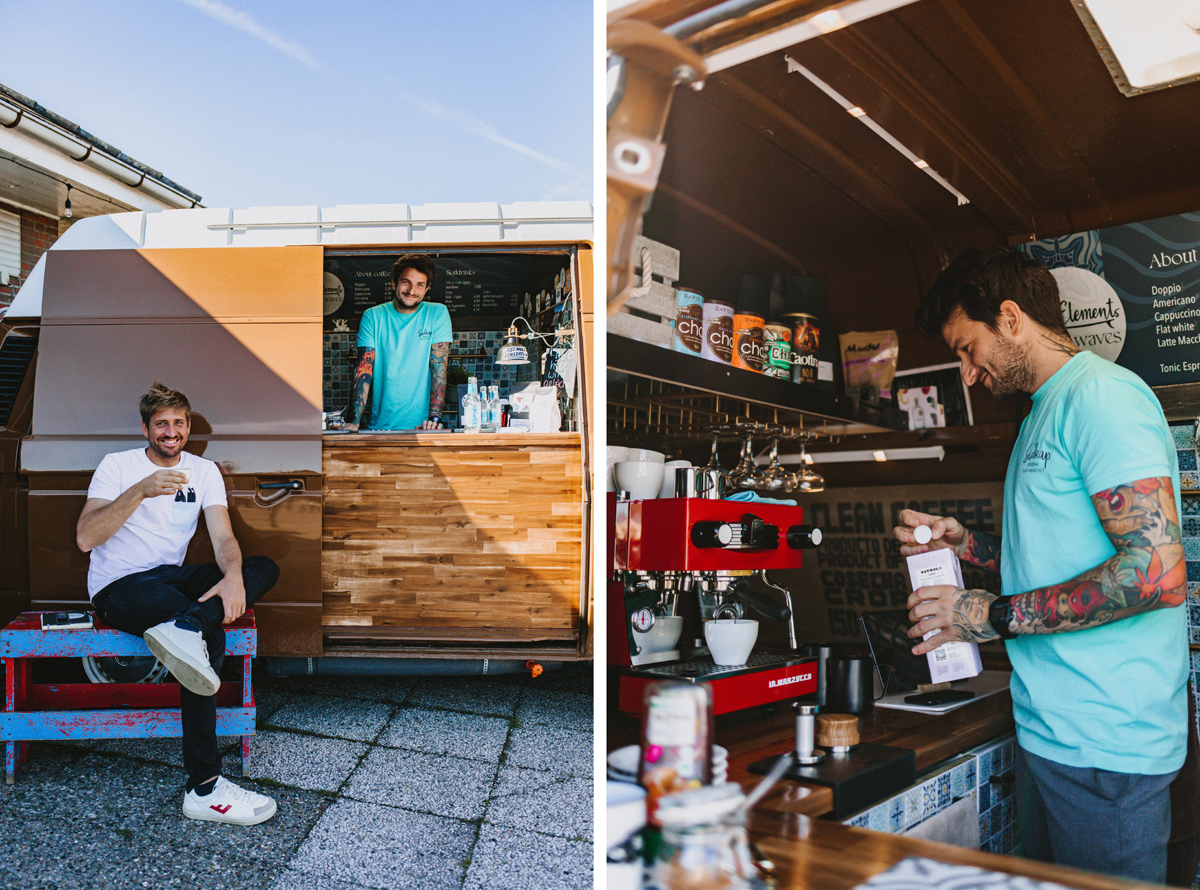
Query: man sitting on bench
[{"x": 142, "y": 509}]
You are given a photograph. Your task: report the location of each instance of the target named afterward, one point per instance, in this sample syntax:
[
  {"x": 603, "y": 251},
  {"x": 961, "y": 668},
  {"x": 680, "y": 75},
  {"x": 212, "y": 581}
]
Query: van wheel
[{"x": 123, "y": 669}]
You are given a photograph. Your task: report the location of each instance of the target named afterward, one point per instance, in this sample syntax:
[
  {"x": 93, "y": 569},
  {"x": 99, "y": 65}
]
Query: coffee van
[{"x": 400, "y": 546}]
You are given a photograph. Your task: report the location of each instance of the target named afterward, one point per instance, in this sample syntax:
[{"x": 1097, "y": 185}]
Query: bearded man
[{"x": 1092, "y": 569}]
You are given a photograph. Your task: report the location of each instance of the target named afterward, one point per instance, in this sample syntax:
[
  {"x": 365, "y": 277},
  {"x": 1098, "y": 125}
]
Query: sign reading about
[{"x": 1131, "y": 294}]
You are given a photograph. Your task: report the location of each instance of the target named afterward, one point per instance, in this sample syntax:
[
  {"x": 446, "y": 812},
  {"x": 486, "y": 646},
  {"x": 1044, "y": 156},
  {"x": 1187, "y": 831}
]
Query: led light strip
[{"x": 857, "y": 112}]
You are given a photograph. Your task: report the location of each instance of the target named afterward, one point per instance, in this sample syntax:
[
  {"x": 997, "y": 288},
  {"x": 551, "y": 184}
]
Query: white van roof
[{"x": 344, "y": 224}]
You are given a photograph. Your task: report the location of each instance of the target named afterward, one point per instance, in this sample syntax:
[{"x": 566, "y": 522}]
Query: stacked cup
[{"x": 640, "y": 473}]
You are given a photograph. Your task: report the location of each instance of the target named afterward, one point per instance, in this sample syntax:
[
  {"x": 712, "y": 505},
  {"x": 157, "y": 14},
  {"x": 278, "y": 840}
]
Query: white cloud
[
  {"x": 244, "y": 23},
  {"x": 477, "y": 127}
]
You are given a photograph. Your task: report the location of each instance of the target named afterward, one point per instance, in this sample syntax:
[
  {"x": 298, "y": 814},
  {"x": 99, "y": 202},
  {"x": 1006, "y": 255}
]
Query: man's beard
[
  {"x": 161, "y": 452},
  {"x": 1014, "y": 372}
]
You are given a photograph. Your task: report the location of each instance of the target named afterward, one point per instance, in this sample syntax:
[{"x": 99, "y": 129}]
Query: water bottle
[
  {"x": 472, "y": 407},
  {"x": 491, "y": 415}
]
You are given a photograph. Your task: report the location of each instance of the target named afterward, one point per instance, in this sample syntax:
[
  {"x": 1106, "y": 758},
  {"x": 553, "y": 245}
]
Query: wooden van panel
[{"x": 454, "y": 542}]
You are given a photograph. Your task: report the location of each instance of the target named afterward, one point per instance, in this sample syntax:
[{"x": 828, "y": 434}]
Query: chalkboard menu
[
  {"x": 491, "y": 287},
  {"x": 1131, "y": 294}
]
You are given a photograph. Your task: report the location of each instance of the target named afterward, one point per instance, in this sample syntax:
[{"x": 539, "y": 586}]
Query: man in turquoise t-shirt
[
  {"x": 404, "y": 346},
  {"x": 1091, "y": 564}
]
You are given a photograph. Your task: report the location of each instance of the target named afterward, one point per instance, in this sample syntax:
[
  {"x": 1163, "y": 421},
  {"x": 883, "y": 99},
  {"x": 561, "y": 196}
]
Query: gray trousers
[{"x": 1113, "y": 823}]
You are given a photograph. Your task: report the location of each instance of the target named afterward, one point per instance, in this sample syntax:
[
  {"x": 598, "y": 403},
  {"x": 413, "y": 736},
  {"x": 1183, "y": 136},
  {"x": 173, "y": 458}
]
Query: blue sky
[{"x": 250, "y": 102}]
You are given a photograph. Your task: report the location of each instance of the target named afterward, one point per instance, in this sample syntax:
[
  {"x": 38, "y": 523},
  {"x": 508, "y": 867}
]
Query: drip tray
[
  {"x": 699, "y": 670},
  {"x": 860, "y": 777}
]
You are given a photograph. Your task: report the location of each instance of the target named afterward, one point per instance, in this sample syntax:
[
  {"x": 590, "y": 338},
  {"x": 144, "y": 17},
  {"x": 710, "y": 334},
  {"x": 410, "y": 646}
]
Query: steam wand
[{"x": 791, "y": 624}]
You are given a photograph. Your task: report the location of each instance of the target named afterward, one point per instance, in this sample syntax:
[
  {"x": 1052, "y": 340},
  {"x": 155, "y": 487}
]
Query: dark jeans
[
  {"x": 1113, "y": 823},
  {"x": 140, "y": 601}
]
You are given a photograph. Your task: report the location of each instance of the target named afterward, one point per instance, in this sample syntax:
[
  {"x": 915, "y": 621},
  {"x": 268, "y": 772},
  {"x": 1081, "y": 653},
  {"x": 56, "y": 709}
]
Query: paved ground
[{"x": 473, "y": 783}]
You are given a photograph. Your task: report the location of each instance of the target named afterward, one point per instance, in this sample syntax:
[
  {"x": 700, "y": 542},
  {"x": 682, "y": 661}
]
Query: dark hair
[
  {"x": 161, "y": 397},
  {"x": 421, "y": 262},
  {"x": 979, "y": 280}
]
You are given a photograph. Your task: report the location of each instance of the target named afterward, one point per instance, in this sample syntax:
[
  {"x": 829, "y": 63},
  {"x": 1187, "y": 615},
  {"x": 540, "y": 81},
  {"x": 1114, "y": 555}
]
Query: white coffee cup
[
  {"x": 663, "y": 636},
  {"x": 187, "y": 471},
  {"x": 668, "y": 485},
  {"x": 614, "y": 453},
  {"x": 647, "y": 455},
  {"x": 729, "y": 641},
  {"x": 642, "y": 479}
]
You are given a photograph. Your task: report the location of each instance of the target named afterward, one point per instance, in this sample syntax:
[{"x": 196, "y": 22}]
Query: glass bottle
[
  {"x": 491, "y": 411},
  {"x": 472, "y": 407}
]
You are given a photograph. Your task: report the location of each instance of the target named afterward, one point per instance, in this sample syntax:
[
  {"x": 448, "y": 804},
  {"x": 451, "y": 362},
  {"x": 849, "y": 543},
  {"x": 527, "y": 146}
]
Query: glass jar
[{"x": 704, "y": 843}]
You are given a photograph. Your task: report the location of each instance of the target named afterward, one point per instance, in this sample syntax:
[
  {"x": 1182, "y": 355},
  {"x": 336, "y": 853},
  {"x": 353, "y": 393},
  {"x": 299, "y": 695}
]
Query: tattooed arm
[
  {"x": 439, "y": 354},
  {"x": 363, "y": 376},
  {"x": 1146, "y": 572}
]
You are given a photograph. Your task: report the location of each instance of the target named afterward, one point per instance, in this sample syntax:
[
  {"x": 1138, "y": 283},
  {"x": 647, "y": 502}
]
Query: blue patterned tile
[
  {"x": 985, "y": 767},
  {"x": 1191, "y": 526},
  {"x": 896, "y": 817},
  {"x": 1182, "y": 434},
  {"x": 1193, "y": 571},
  {"x": 1006, "y": 811},
  {"x": 915, "y": 806},
  {"x": 958, "y": 781},
  {"x": 860, "y": 821},
  {"x": 985, "y": 825},
  {"x": 971, "y": 773},
  {"x": 877, "y": 818},
  {"x": 1187, "y": 459},
  {"x": 1191, "y": 548},
  {"x": 943, "y": 791},
  {"x": 1191, "y": 506},
  {"x": 985, "y": 796}
]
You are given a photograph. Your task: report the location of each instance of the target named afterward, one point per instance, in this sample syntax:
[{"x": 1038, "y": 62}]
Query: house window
[{"x": 10, "y": 246}]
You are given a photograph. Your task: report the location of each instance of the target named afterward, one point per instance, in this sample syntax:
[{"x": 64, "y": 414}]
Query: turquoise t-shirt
[
  {"x": 402, "y": 377},
  {"x": 1111, "y": 697}
]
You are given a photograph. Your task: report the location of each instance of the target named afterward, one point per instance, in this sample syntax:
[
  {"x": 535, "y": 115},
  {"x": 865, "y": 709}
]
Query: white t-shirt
[{"x": 158, "y": 532}]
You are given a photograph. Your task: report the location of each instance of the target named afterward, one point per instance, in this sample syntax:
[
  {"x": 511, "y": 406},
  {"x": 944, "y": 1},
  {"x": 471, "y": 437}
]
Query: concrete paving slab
[
  {"x": 508, "y": 857},
  {"x": 304, "y": 761},
  {"x": 385, "y": 689},
  {"x": 474, "y": 695},
  {"x": 555, "y": 707},
  {"x": 356, "y": 719},
  {"x": 555, "y": 748},
  {"x": 533, "y": 800},
  {"x": 401, "y": 849},
  {"x": 292, "y": 879},
  {"x": 170, "y": 750},
  {"x": 426, "y": 783},
  {"x": 470, "y": 736}
]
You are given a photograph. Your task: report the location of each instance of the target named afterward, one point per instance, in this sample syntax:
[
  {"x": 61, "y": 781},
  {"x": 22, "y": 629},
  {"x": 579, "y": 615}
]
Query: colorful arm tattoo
[
  {"x": 983, "y": 550},
  {"x": 363, "y": 376},
  {"x": 1147, "y": 571},
  {"x": 439, "y": 355}
]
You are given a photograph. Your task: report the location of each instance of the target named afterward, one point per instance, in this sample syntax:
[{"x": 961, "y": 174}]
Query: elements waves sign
[{"x": 1131, "y": 294}]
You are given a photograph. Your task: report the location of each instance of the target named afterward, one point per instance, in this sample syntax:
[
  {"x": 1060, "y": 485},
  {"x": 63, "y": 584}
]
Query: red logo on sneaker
[{"x": 222, "y": 809}]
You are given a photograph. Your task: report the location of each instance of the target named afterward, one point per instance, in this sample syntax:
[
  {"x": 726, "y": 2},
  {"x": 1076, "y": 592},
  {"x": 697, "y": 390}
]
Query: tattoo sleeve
[
  {"x": 363, "y": 376},
  {"x": 983, "y": 550},
  {"x": 971, "y": 616},
  {"x": 439, "y": 355},
  {"x": 1147, "y": 571}
]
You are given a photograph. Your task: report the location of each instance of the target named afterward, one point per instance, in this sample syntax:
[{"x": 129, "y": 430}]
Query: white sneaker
[
  {"x": 185, "y": 654},
  {"x": 229, "y": 803}
]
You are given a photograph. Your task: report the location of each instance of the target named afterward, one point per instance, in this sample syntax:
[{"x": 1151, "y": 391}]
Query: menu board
[
  {"x": 1131, "y": 294},
  {"x": 491, "y": 286}
]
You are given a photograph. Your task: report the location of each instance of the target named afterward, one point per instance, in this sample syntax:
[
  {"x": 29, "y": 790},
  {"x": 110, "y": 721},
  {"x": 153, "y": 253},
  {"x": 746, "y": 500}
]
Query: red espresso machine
[{"x": 674, "y": 563}]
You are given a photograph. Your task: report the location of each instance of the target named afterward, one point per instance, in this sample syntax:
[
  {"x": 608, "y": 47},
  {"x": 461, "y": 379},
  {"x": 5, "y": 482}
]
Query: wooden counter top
[
  {"x": 754, "y": 735},
  {"x": 810, "y": 853},
  {"x": 449, "y": 437}
]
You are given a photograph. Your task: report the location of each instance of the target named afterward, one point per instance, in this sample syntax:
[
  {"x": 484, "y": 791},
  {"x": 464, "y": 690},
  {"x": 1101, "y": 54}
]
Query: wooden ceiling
[{"x": 1009, "y": 101}]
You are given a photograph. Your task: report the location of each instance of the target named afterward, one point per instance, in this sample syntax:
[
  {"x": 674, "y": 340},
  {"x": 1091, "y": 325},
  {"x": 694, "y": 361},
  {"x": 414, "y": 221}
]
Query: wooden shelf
[{"x": 744, "y": 388}]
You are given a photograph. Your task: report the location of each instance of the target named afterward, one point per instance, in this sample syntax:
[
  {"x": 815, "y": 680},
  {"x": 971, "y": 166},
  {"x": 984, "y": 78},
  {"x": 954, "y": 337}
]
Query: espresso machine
[{"x": 674, "y": 563}]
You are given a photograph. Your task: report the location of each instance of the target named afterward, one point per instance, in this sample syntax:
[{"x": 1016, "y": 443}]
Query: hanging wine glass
[
  {"x": 774, "y": 477},
  {"x": 746, "y": 474},
  {"x": 806, "y": 480},
  {"x": 714, "y": 462}
]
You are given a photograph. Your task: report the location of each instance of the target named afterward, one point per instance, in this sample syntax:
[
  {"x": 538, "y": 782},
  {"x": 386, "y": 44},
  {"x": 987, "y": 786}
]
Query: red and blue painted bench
[{"x": 36, "y": 711}]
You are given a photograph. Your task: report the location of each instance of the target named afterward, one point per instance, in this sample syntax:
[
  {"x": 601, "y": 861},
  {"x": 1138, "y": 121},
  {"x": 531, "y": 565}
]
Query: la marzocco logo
[{"x": 788, "y": 681}]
